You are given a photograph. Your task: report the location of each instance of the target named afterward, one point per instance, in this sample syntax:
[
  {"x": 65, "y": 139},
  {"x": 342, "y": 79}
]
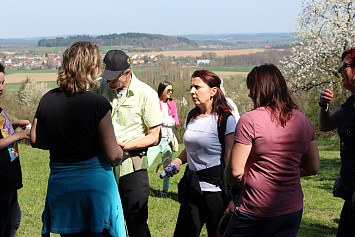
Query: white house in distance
[
  {"x": 134, "y": 56},
  {"x": 203, "y": 61}
]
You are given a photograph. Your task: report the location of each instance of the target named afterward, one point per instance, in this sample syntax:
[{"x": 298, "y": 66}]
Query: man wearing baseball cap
[{"x": 136, "y": 120}]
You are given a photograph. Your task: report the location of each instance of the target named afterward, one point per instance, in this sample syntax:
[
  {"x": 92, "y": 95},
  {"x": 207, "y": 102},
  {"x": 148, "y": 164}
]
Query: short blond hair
[{"x": 80, "y": 68}]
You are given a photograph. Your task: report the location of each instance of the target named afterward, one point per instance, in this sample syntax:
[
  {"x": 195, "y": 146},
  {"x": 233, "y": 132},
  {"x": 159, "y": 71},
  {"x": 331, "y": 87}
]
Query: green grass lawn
[
  {"x": 14, "y": 87},
  {"x": 321, "y": 209},
  {"x": 226, "y": 69}
]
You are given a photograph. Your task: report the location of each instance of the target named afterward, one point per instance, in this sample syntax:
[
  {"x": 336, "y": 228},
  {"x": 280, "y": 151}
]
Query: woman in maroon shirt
[{"x": 274, "y": 146}]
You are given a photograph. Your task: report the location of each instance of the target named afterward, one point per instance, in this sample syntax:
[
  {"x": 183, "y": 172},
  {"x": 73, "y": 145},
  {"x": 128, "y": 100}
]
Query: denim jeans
[
  {"x": 164, "y": 148},
  {"x": 242, "y": 224}
]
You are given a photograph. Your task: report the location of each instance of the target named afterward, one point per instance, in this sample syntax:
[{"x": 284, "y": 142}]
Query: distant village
[
  {"x": 27, "y": 61},
  {"x": 23, "y": 61}
]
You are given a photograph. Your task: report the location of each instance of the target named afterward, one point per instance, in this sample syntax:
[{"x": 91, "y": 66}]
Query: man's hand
[
  {"x": 26, "y": 134},
  {"x": 122, "y": 145}
]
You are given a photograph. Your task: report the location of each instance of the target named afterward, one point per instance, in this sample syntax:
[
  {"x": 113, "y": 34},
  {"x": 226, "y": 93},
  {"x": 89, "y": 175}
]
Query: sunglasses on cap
[{"x": 344, "y": 65}]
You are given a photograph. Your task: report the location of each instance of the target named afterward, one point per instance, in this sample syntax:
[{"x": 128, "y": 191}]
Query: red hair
[
  {"x": 219, "y": 104},
  {"x": 351, "y": 53}
]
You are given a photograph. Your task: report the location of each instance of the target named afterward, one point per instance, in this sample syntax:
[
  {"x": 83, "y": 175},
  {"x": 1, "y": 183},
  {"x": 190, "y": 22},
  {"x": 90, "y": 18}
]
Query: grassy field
[
  {"x": 14, "y": 80},
  {"x": 13, "y": 71},
  {"x": 199, "y": 53},
  {"x": 321, "y": 209},
  {"x": 225, "y": 69},
  {"x": 173, "y": 53},
  {"x": 14, "y": 87}
]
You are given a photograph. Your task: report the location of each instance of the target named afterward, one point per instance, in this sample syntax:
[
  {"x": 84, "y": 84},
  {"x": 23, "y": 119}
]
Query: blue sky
[{"x": 38, "y": 18}]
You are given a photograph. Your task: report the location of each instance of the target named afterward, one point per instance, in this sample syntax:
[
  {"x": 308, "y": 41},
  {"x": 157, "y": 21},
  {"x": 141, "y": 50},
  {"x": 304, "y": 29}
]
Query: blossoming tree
[{"x": 324, "y": 30}]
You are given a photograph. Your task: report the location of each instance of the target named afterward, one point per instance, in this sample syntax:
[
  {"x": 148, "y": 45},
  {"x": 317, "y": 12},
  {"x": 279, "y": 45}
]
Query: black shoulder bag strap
[
  {"x": 222, "y": 125},
  {"x": 189, "y": 117}
]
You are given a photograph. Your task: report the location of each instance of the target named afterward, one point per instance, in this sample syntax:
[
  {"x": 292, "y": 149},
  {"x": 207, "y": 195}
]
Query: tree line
[{"x": 125, "y": 40}]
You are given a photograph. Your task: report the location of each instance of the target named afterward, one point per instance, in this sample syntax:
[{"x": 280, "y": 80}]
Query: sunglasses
[
  {"x": 170, "y": 91},
  {"x": 345, "y": 65}
]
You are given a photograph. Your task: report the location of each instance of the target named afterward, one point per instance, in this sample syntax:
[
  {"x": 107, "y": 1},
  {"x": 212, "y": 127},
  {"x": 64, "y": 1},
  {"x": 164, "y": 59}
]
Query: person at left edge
[
  {"x": 10, "y": 168},
  {"x": 75, "y": 125},
  {"x": 136, "y": 118}
]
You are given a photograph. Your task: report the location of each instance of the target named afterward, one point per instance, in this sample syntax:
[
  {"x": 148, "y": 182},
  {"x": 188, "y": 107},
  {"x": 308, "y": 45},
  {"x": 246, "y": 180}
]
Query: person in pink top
[
  {"x": 170, "y": 119},
  {"x": 274, "y": 146}
]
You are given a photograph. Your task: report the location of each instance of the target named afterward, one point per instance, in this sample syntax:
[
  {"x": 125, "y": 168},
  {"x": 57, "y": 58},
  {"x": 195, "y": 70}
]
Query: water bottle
[{"x": 172, "y": 167}]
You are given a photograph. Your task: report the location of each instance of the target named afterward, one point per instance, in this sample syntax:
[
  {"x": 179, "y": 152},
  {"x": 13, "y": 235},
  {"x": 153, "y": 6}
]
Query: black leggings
[
  {"x": 347, "y": 220},
  {"x": 192, "y": 217},
  {"x": 10, "y": 214}
]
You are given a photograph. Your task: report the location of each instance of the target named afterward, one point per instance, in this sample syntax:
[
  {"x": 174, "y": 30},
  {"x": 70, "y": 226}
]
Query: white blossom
[
  {"x": 324, "y": 30},
  {"x": 32, "y": 93}
]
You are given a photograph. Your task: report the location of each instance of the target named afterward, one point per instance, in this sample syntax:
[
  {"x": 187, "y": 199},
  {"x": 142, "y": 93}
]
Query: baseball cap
[{"x": 116, "y": 62}]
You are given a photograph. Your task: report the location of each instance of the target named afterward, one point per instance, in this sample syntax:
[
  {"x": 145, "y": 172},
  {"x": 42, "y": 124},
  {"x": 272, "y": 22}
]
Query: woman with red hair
[
  {"x": 343, "y": 118},
  {"x": 203, "y": 198}
]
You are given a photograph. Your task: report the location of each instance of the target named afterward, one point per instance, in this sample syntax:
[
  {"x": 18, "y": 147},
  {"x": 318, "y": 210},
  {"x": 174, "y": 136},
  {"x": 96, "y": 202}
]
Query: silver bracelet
[{"x": 324, "y": 107}]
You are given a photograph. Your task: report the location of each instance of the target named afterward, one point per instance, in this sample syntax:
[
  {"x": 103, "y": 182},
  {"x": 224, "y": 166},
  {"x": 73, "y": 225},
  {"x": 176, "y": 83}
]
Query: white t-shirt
[
  {"x": 234, "y": 109},
  {"x": 202, "y": 145},
  {"x": 168, "y": 123}
]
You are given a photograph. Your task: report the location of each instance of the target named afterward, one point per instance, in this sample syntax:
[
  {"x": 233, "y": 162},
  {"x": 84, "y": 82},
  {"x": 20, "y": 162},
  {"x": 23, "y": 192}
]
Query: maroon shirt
[{"x": 272, "y": 177}]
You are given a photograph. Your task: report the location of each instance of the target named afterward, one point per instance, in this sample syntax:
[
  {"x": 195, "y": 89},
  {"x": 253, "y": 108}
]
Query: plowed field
[
  {"x": 19, "y": 77},
  {"x": 198, "y": 53}
]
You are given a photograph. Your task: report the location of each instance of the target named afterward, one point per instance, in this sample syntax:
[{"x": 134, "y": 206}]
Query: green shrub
[{"x": 23, "y": 104}]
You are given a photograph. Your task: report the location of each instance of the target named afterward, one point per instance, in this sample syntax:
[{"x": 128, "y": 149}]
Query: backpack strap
[
  {"x": 222, "y": 125},
  {"x": 221, "y": 128},
  {"x": 189, "y": 117}
]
